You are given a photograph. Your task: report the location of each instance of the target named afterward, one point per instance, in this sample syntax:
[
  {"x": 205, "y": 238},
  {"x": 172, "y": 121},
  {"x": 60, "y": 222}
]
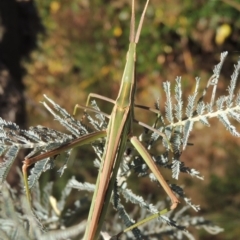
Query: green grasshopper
[{"x": 118, "y": 132}]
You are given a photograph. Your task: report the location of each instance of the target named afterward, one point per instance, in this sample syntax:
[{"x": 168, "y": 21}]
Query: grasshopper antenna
[
  {"x": 132, "y": 25},
  {"x": 134, "y": 38},
  {"x": 141, "y": 22}
]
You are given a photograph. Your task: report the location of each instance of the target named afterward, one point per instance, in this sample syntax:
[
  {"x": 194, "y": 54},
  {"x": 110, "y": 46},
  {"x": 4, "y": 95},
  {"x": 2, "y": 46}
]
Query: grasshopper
[{"x": 118, "y": 132}]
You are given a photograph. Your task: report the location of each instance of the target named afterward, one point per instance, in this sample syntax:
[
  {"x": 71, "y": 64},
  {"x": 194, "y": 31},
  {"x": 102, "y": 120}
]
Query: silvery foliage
[{"x": 45, "y": 220}]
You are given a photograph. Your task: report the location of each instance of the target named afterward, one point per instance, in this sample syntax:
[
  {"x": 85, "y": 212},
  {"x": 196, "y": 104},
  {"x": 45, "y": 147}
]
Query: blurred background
[{"x": 67, "y": 49}]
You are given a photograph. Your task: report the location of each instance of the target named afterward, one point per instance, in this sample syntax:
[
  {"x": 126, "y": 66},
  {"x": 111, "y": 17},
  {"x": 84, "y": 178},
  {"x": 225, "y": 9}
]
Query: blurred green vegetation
[{"x": 83, "y": 50}]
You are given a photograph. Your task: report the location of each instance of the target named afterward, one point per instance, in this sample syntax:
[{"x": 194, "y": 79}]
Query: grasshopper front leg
[{"x": 93, "y": 95}]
